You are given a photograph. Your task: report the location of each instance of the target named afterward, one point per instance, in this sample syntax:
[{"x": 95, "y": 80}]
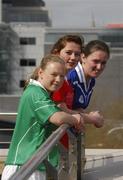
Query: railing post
[
  {"x": 80, "y": 155},
  {"x": 51, "y": 172},
  {"x": 76, "y": 155},
  {"x": 79, "y": 163}
]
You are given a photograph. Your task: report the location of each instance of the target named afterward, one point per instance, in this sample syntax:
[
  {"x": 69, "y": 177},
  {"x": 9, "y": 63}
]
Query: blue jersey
[{"x": 82, "y": 91}]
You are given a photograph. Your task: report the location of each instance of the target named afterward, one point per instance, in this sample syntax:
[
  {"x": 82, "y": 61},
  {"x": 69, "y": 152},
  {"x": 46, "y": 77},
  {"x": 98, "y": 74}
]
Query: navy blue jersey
[{"x": 82, "y": 92}]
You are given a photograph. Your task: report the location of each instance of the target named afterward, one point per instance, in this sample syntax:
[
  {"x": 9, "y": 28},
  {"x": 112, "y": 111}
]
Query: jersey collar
[
  {"x": 36, "y": 83},
  {"x": 80, "y": 72},
  {"x": 81, "y": 76}
]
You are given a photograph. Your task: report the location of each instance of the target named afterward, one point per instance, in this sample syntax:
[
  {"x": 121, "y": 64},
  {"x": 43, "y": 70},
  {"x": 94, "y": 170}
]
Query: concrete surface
[{"x": 104, "y": 164}]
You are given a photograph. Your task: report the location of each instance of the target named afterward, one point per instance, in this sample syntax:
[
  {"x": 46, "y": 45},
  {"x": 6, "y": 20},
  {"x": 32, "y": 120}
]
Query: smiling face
[
  {"x": 94, "y": 64},
  {"x": 70, "y": 54},
  {"x": 52, "y": 76}
]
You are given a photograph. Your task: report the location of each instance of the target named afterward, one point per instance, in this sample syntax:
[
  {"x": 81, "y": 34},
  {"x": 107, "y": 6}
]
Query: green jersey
[{"x": 32, "y": 126}]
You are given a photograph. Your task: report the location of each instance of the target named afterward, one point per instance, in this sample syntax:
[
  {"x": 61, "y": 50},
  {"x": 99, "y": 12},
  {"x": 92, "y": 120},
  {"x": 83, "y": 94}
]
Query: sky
[{"x": 81, "y": 13}]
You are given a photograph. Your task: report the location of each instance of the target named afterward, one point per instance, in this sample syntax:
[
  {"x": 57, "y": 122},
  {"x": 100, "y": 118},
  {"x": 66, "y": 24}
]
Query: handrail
[
  {"x": 3, "y": 114},
  {"x": 30, "y": 166},
  {"x": 6, "y": 129},
  {"x": 9, "y": 117}
]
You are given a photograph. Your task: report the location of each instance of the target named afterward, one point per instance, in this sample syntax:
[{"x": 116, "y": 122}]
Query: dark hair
[
  {"x": 61, "y": 43},
  {"x": 44, "y": 62},
  {"x": 96, "y": 45}
]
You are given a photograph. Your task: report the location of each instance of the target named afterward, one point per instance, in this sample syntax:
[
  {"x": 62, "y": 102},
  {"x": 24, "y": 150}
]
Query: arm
[
  {"x": 61, "y": 117},
  {"x": 94, "y": 118}
]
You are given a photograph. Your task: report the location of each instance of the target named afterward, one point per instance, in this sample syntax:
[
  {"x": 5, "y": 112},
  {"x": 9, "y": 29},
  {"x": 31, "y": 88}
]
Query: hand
[
  {"x": 97, "y": 119},
  {"x": 79, "y": 123}
]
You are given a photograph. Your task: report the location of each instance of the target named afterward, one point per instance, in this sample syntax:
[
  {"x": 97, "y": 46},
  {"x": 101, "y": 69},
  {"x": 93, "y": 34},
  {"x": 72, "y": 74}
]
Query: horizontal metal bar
[
  {"x": 8, "y": 114},
  {"x": 9, "y": 117},
  {"x": 6, "y": 129},
  {"x": 30, "y": 166}
]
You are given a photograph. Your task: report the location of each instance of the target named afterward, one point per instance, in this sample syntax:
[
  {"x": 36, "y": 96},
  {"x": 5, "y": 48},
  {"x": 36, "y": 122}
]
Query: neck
[{"x": 87, "y": 78}]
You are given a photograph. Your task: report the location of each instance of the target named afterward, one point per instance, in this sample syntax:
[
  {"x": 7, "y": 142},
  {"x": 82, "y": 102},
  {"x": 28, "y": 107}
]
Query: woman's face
[
  {"x": 94, "y": 64},
  {"x": 52, "y": 76},
  {"x": 70, "y": 54}
]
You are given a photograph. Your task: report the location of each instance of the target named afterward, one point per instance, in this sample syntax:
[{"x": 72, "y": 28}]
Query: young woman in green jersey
[{"x": 36, "y": 112}]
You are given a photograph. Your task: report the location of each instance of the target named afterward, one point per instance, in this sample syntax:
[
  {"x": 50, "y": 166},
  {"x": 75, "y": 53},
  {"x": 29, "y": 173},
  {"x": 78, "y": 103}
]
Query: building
[
  {"x": 8, "y": 39},
  {"x": 25, "y": 11},
  {"x": 27, "y": 19}
]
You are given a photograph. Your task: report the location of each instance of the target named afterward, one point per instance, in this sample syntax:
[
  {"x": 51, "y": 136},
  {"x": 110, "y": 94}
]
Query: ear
[
  {"x": 83, "y": 58},
  {"x": 56, "y": 52},
  {"x": 40, "y": 71}
]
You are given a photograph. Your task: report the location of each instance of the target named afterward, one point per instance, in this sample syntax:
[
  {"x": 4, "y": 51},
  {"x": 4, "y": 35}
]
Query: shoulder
[
  {"x": 72, "y": 74},
  {"x": 33, "y": 93}
]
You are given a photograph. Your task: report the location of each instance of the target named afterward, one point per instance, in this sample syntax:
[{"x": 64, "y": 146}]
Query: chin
[
  {"x": 69, "y": 68},
  {"x": 95, "y": 75},
  {"x": 55, "y": 89}
]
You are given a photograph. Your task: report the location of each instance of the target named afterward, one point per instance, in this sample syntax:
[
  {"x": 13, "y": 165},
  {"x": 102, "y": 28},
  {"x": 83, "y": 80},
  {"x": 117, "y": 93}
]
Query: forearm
[
  {"x": 94, "y": 118},
  {"x": 61, "y": 117},
  {"x": 87, "y": 118}
]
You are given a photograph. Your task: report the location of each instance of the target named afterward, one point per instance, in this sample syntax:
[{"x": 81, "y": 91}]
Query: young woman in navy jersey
[{"x": 82, "y": 78}]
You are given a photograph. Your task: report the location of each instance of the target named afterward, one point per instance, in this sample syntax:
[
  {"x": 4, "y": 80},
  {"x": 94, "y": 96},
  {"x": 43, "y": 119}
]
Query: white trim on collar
[
  {"x": 81, "y": 75},
  {"x": 80, "y": 72},
  {"x": 36, "y": 83}
]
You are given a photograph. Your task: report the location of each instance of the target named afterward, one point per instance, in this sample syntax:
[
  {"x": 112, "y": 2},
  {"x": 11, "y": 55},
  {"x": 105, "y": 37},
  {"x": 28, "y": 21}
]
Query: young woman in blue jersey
[
  {"x": 82, "y": 78},
  {"x": 38, "y": 116}
]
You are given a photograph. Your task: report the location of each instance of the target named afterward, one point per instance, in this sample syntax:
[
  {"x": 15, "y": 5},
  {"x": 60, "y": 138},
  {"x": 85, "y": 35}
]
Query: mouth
[
  {"x": 56, "y": 85},
  {"x": 97, "y": 73},
  {"x": 72, "y": 64}
]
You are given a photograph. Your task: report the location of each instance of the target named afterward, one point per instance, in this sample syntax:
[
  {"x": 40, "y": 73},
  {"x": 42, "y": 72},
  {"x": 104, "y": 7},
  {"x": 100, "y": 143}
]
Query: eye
[
  {"x": 77, "y": 53},
  {"x": 68, "y": 52},
  {"x": 104, "y": 63},
  {"x": 54, "y": 74},
  {"x": 96, "y": 61},
  {"x": 62, "y": 76}
]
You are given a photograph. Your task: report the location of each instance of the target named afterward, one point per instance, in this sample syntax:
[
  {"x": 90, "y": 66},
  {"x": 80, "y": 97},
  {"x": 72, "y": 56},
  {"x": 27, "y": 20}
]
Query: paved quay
[{"x": 103, "y": 164}]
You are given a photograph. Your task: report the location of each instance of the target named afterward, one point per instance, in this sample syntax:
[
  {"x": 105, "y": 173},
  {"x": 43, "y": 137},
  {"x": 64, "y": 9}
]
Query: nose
[
  {"x": 58, "y": 79},
  {"x": 99, "y": 66},
  {"x": 73, "y": 56}
]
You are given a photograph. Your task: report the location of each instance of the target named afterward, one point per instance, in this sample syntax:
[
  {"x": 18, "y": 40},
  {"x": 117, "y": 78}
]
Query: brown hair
[
  {"x": 61, "y": 43},
  {"x": 96, "y": 45}
]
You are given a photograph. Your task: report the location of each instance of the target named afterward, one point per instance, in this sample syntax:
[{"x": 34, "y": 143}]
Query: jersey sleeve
[{"x": 43, "y": 106}]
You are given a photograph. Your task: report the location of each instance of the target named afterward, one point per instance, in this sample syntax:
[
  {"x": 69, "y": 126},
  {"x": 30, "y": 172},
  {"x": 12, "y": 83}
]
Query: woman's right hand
[{"x": 79, "y": 123}]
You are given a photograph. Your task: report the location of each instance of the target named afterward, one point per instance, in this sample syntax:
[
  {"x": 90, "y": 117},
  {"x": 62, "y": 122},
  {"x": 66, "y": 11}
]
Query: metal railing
[
  {"x": 7, "y": 122},
  {"x": 72, "y": 159},
  {"x": 8, "y": 117}
]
